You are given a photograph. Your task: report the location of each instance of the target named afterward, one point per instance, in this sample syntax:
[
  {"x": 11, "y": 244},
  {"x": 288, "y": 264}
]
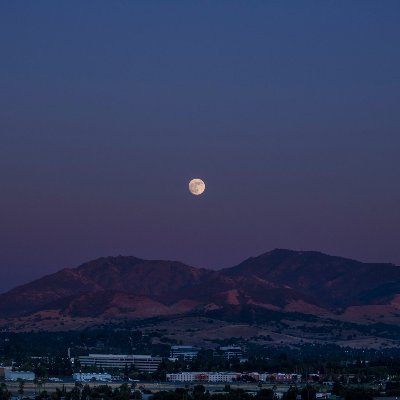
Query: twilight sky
[{"x": 288, "y": 110}]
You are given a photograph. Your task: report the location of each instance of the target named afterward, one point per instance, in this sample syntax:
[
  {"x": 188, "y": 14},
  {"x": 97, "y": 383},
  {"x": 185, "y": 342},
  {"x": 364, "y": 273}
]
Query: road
[{"x": 30, "y": 389}]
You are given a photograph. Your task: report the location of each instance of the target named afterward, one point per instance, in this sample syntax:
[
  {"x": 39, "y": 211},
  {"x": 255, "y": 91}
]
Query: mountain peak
[
  {"x": 132, "y": 287},
  {"x": 112, "y": 260}
]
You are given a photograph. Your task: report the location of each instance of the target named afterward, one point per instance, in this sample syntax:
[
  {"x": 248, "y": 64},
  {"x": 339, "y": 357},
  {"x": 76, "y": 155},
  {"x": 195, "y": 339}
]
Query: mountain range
[{"x": 112, "y": 289}]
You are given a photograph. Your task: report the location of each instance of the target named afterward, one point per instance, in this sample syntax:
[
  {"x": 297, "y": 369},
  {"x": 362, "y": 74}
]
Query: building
[
  {"x": 185, "y": 352},
  {"x": 253, "y": 375},
  {"x": 223, "y": 376},
  {"x": 87, "y": 377},
  {"x": 264, "y": 377},
  {"x": 284, "y": 378},
  {"x": 229, "y": 352},
  {"x": 181, "y": 377},
  {"x": 203, "y": 377},
  {"x": 10, "y": 375},
  {"x": 143, "y": 363}
]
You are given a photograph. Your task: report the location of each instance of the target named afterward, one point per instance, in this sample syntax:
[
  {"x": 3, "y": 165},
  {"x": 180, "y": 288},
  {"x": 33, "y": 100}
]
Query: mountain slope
[
  {"x": 334, "y": 281},
  {"x": 112, "y": 288},
  {"x": 157, "y": 279}
]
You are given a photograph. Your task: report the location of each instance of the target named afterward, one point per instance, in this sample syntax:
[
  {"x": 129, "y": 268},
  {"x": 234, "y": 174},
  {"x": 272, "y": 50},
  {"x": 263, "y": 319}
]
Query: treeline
[
  {"x": 104, "y": 392},
  {"x": 45, "y": 353},
  {"x": 19, "y": 346},
  {"x": 308, "y": 392},
  {"x": 199, "y": 393},
  {"x": 79, "y": 392}
]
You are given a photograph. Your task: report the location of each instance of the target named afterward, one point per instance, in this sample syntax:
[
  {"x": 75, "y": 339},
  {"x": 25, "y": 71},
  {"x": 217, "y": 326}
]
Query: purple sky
[{"x": 288, "y": 110}]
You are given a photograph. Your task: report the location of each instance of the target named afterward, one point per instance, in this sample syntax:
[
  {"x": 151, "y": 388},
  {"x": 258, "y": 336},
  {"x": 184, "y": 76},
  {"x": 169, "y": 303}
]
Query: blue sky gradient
[{"x": 288, "y": 110}]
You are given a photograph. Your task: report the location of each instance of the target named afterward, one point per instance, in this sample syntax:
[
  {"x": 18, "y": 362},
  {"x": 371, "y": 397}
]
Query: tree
[
  {"x": 74, "y": 394},
  {"x": 57, "y": 394},
  {"x": 358, "y": 394},
  {"x": 393, "y": 388},
  {"x": 337, "y": 388},
  {"x": 137, "y": 395},
  {"x": 43, "y": 395},
  {"x": 265, "y": 394},
  {"x": 291, "y": 394},
  {"x": 122, "y": 393},
  {"x": 21, "y": 384},
  {"x": 86, "y": 392},
  {"x": 308, "y": 393},
  {"x": 198, "y": 392},
  {"x": 199, "y": 389},
  {"x": 4, "y": 393}
]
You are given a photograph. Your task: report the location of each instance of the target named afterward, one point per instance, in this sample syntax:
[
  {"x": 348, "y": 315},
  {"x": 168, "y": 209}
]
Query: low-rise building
[
  {"x": 255, "y": 376},
  {"x": 223, "y": 376},
  {"x": 282, "y": 377},
  {"x": 264, "y": 377},
  {"x": 203, "y": 377},
  {"x": 181, "y": 377},
  {"x": 11, "y": 375},
  {"x": 88, "y": 376}
]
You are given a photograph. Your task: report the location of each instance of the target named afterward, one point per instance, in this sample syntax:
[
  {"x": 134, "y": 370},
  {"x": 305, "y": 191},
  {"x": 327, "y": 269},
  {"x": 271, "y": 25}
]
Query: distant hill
[
  {"x": 100, "y": 281},
  {"x": 112, "y": 289},
  {"x": 334, "y": 282}
]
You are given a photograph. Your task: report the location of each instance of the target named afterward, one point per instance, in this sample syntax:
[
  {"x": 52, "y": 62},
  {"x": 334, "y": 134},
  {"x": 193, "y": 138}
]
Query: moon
[{"x": 197, "y": 186}]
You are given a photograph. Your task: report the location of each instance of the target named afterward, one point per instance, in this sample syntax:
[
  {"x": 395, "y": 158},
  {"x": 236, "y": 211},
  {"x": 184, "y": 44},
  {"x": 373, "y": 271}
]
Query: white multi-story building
[
  {"x": 223, "y": 376},
  {"x": 231, "y": 377},
  {"x": 181, "y": 377},
  {"x": 143, "y": 363},
  {"x": 203, "y": 377}
]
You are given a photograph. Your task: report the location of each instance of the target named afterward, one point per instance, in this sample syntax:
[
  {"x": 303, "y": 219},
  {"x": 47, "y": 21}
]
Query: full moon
[{"x": 196, "y": 186}]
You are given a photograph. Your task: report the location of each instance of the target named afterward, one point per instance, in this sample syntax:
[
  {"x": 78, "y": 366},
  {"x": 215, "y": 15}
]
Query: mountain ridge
[{"x": 127, "y": 287}]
